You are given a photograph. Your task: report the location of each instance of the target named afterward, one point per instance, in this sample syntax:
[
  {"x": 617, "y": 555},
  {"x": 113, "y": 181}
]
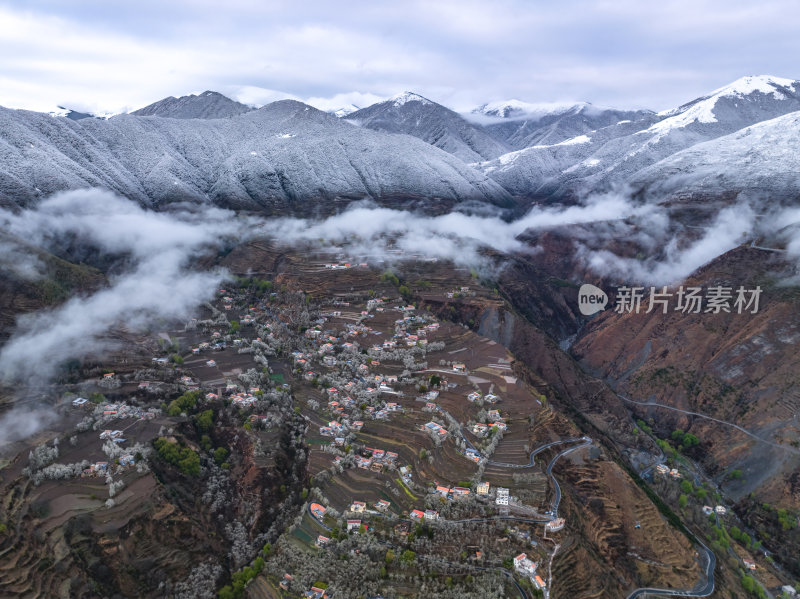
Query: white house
[{"x": 524, "y": 565}]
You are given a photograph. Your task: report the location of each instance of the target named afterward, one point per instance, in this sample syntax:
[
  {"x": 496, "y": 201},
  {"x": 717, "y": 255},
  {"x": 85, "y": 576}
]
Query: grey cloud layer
[{"x": 626, "y": 53}]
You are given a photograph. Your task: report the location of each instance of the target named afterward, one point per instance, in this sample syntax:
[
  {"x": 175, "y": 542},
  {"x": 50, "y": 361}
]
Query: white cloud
[
  {"x": 624, "y": 53},
  {"x": 158, "y": 281},
  {"x": 679, "y": 254}
]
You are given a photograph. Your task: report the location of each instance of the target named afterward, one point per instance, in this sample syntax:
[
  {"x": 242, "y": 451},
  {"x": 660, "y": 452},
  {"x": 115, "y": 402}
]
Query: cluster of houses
[
  {"x": 526, "y": 567},
  {"x": 488, "y": 398},
  {"x": 245, "y": 400},
  {"x": 410, "y": 331},
  {"x": 428, "y": 515},
  {"x": 497, "y": 423},
  {"x": 113, "y": 411},
  {"x": 452, "y": 493},
  {"x": 437, "y": 430},
  {"x": 115, "y": 436},
  {"x": 720, "y": 510},
  {"x": 375, "y": 459},
  {"x": 666, "y": 470}
]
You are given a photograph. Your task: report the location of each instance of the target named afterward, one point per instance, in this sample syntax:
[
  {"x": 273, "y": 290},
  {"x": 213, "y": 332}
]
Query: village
[
  {"x": 411, "y": 450},
  {"x": 410, "y": 421}
]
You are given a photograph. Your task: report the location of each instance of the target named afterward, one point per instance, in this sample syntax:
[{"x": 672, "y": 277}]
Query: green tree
[
  {"x": 226, "y": 592},
  {"x": 176, "y": 454},
  {"x": 220, "y": 455},
  {"x": 689, "y": 440},
  {"x": 205, "y": 420},
  {"x": 682, "y": 501}
]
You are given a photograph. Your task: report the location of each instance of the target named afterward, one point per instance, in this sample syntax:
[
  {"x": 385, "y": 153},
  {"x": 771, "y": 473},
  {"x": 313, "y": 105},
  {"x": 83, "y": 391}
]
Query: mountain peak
[
  {"x": 71, "y": 114},
  {"x": 343, "y": 111},
  {"x": 766, "y": 84},
  {"x": 405, "y": 97},
  {"x": 207, "y": 105},
  {"x": 517, "y": 109},
  {"x": 703, "y": 109}
]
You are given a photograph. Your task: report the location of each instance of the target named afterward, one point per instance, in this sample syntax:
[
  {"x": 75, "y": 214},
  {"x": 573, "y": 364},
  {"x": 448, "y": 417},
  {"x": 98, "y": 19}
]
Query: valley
[
  {"x": 438, "y": 432},
  {"x": 280, "y": 351}
]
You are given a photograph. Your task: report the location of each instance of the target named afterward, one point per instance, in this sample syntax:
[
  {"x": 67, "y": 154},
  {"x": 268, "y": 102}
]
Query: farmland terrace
[{"x": 364, "y": 427}]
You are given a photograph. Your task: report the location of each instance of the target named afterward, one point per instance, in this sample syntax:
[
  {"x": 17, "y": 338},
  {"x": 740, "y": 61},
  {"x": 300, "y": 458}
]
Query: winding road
[
  {"x": 699, "y": 415},
  {"x": 705, "y": 591}
]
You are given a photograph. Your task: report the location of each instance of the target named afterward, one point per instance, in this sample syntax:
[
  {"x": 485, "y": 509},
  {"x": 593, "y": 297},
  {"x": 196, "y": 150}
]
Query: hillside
[
  {"x": 208, "y": 105},
  {"x": 624, "y": 152},
  {"x": 285, "y": 157},
  {"x": 431, "y": 122}
]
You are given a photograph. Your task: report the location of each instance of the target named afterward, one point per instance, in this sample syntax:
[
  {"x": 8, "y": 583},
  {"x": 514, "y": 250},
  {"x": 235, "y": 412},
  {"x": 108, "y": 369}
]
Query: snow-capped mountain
[
  {"x": 415, "y": 115},
  {"x": 522, "y": 124},
  {"x": 290, "y": 157},
  {"x": 284, "y": 157},
  {"x": 615, "y": 153},
  {"x": 748, "y": 94},
  {"x": 68, "y": 113},
  {"x": 208, "y": 105},
  {"x": 344, "y": 110},
  {"x": 760, "y": 159},
  {"x": 517, "y": 109}
]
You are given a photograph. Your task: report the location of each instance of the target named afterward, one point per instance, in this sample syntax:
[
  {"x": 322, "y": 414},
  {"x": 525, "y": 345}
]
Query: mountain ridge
[{"x": 207, "y": 105}]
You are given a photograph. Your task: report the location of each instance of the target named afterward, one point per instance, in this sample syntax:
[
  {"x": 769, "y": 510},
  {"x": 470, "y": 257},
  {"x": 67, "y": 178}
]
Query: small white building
[{"x": 524, "y": 565}]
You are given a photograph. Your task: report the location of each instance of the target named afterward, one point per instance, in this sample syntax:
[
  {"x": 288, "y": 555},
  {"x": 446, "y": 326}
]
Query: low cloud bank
[
  {"x": 674, "y": 258},
  {"x": 365, "y": 229},
  {"x": 156, "y": 249},
  {"x": 154, "y": 278},
  {"x": 155, "y": 281}
]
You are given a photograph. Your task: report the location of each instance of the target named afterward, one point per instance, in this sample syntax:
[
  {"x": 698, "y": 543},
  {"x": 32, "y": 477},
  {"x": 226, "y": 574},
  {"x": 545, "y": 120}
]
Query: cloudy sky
[{"x": 113, "y": 56}]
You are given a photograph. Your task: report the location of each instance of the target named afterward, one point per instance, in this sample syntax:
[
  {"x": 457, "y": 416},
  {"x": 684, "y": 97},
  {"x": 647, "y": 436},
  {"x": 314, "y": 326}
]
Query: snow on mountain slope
[
  {"x": 523, "y": 125},
  {"x": 285, "y": 156},
  {"x": 617, "y": 152},
  {"x": 763, "y": 159},
  {"x": 208, "y": 105},
  {"x": 343, "y": 110},
  {"x": 517, "y": 109},
  {"x": 412, "y": 114},
  {"x": 406, "y": 97},
  {"x": 68, "y": 113},
  {"x": 544, "y": 169},
  {"x": 740, "y": 93}
]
